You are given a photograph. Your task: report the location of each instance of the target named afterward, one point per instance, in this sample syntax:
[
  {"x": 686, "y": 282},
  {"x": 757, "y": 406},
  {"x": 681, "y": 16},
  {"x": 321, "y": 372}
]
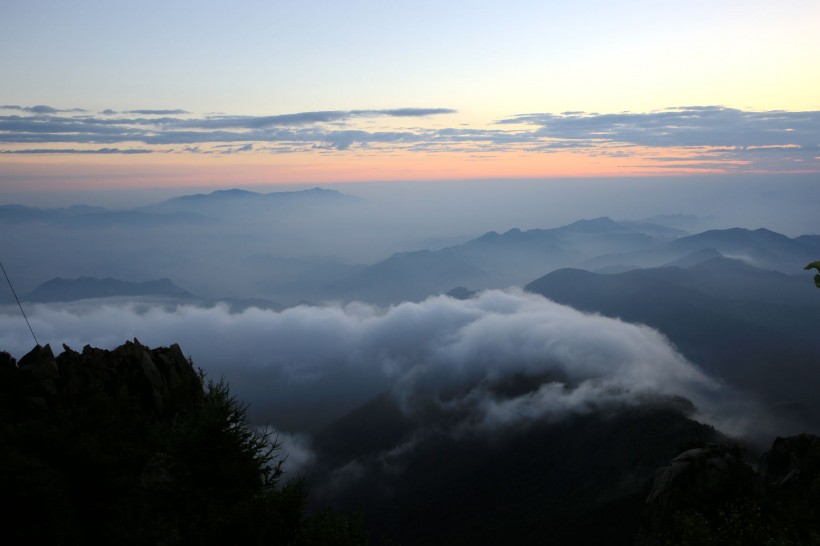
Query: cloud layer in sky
[{"x": 709, "y": 137}]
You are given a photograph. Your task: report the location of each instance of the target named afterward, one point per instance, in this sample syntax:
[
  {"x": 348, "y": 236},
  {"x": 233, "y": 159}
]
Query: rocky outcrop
[
  {"x": 793, "y": 461},
  {"x": 713, "y": 495},
  {"x": 130, "y": 446},
  {"x": 162, "y": 380}
]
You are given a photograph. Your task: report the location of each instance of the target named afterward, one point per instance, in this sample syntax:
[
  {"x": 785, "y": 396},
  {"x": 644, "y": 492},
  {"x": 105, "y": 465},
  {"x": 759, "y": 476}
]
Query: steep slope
[
  {"x": 579, "y": 481},
  {"x": 712, "y": 495},
  {"x": 723, "y": 315}
]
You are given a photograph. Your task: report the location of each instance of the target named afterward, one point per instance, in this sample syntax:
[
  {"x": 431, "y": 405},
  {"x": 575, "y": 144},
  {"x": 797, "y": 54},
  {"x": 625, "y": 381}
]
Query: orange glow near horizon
[{"x": 103, "y": 172}]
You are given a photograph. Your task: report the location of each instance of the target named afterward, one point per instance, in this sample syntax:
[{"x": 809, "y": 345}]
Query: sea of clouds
[{"x": 303, "y": 367}]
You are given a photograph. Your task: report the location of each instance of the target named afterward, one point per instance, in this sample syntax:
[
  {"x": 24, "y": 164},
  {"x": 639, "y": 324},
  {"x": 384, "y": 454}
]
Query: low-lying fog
[{"x": 301, "y": 366}]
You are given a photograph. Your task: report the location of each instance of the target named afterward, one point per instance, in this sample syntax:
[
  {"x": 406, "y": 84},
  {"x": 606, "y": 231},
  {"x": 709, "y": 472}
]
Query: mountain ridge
[
  {"x": 754, "y": 329},
  {"x": 59, "y": 289}
]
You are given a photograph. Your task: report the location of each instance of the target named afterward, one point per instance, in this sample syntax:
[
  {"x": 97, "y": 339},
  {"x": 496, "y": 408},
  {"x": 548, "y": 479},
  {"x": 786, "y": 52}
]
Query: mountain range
[
  {"x": 320, "y": 245},
  {"x": 199, "y": 209},
  {"x": 221, "y": 203},
  {"x": 755, "y": 329},
  {"x": 516, "y": 257}
]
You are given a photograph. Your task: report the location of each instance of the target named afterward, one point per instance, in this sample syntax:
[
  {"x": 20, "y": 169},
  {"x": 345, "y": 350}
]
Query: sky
[{"x": 101, "y": 94}]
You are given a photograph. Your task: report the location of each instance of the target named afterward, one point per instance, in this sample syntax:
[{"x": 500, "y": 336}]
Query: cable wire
[{"x": 19, "y": 304}]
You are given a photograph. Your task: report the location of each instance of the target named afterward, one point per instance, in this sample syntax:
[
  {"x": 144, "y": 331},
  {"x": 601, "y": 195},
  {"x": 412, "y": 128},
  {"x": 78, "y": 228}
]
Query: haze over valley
[{"x": 311, "y": 303}]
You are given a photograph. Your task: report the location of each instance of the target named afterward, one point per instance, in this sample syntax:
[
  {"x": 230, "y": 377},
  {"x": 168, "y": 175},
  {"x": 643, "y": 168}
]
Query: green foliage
[
  {"x": 213, "y": 479},
  {"x": 103, "y": 470},
  {"x": 815, "y": 265}
]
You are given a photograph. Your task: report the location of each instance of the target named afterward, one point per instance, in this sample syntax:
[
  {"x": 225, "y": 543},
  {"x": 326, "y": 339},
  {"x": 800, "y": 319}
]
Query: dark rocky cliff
[
  {"x": 713, "y": 495},
  {"x": 162, "y": 381},
  {"x": 133, "y": 446}
]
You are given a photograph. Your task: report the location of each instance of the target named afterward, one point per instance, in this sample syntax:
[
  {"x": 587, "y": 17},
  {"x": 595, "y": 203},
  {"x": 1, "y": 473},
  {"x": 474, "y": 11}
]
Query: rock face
[
  {"x": 162, "y": 379},
  {"x": 794, "y": 461},
  {"x": 79, "y": 434},
  {"x": 712, "y": 495},
  {"x": 131, "y": 446},
  {"x": 698, "y": 479}
]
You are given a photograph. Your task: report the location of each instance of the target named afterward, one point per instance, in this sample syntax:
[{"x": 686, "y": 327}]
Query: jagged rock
[
  {"x": 41, "y": 375},
  {"x": 129, "y": 447},
  {"x": 702, "y": 479},
  {"x": 162, "y": 379},
  {"x": 699, "y": 472},
  {"x": 708, "y": 494},
  {"x": 793, "y": 459},
  {"x": 37, "y": 356}
]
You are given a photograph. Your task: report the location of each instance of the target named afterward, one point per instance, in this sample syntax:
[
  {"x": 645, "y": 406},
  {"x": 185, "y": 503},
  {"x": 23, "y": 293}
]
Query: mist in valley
[
  {"x": 291, "y": 251},
  {"x": 239, "y": 261},
  {"x": 376, "y": 326}
]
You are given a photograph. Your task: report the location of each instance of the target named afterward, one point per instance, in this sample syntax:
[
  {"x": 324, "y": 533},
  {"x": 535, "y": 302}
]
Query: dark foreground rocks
[
  {"x": 713, "y": 495},
  {"x": 134, "y": 446}
]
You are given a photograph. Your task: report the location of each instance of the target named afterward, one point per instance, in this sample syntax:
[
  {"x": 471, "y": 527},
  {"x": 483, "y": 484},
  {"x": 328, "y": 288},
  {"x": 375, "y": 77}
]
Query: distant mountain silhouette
[
  {"x": 461, "y": 293},
  {"x": 222, "y": 202},
  {"x": 408, "y": 276},
  {"x": 756, "y": 329},
  {"x": 59, "y": 289},
  {"x": 195, "y": 209},
  {"x": 602, "y": 244},
  {"x": 496, "y": 260},
  {"x": 761, "y": 248}
]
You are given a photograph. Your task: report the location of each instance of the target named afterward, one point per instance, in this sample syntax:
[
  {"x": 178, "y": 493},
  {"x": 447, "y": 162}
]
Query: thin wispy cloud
[
  {"x": 158, "y": 112},
  {"x": 103, "y": 151},
  {"x": 723, "y": 138},
  {"x": 304, "y": 127},
  {"x": 687, "y": 126},
  {"x": 39, "y": 109}
]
